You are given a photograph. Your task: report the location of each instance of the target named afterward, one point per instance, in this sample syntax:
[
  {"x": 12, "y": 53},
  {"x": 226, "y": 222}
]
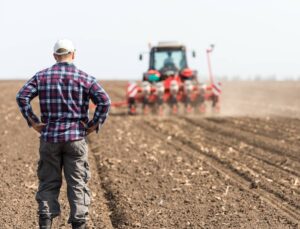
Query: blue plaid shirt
[{"x": 64, "y": 93}]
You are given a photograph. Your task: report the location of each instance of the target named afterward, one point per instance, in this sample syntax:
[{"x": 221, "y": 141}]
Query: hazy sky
[{"x": 251, "y": 37}]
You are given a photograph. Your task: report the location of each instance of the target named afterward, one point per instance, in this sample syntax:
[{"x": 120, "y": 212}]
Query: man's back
[{"x": 64, "y": 92}]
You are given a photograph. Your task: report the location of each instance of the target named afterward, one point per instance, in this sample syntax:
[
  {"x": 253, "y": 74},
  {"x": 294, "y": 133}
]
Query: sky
[{"x": 257, "y": 37}]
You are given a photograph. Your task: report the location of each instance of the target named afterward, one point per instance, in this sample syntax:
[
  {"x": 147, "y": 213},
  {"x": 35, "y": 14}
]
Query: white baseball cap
[{"x": 63, "y": 44}]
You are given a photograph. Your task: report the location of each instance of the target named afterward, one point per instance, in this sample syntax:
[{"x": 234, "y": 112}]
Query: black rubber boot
[
  {"x": 45, "y": 223},
  {"x": 78, "y": 225}
]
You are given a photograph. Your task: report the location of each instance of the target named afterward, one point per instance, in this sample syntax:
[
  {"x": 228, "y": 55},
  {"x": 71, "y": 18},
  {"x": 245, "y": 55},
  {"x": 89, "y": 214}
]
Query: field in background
[{"x": 239, "y": 169}]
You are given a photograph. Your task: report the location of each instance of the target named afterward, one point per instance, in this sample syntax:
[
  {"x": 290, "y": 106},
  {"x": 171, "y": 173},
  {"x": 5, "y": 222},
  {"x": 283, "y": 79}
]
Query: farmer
[{"x": 64, "y": 92}]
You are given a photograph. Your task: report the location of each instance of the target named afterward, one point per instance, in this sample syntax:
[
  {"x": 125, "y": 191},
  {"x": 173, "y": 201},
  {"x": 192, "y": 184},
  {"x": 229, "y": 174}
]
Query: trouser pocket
[
  {"x": 87, "y": 197},
  {"x": 87, "y": 173}
]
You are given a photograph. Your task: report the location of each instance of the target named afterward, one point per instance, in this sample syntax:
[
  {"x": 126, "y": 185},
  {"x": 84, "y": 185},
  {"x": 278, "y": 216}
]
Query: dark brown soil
[{"x": 169, "y": 172}]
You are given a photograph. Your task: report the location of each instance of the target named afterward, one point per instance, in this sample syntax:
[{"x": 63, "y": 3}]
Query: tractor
[{"x": 169, "y": 84}]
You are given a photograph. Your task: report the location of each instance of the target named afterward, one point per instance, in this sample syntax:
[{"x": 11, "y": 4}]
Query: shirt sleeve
[
  {"x": 102, "y": 101},
  {"x": 24, "y": 96}
]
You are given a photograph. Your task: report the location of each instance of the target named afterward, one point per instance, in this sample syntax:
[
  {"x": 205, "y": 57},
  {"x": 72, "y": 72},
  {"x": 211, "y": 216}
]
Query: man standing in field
[{"x": 64, "y": 92}]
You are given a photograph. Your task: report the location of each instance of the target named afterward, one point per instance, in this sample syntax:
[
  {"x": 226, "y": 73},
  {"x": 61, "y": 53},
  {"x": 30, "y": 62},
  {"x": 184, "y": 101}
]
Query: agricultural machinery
[{"x": 170, "y": 85}]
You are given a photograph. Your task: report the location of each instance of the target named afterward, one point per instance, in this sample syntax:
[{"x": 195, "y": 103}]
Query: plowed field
[{"x": 239, "y": 169}]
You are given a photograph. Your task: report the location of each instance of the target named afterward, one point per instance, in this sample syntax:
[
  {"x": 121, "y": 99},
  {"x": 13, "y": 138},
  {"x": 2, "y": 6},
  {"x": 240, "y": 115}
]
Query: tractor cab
[{"x": 168, "y": 59}]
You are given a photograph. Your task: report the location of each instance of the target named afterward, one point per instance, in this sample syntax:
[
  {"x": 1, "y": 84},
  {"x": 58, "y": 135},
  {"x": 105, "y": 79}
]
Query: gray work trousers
[{"x": 72, "y": 157}]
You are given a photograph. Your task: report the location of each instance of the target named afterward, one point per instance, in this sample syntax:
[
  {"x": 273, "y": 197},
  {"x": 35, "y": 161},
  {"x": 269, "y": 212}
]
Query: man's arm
[
  {"x": 24, "y": 96},
  {"x": 102, "y": 101}
]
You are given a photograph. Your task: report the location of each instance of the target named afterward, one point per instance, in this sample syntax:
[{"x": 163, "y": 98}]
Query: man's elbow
[
  {"x": 18, "y": 98},
  {"x": 107, "y": 101},
  {"x": 21, "y": 100}
]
